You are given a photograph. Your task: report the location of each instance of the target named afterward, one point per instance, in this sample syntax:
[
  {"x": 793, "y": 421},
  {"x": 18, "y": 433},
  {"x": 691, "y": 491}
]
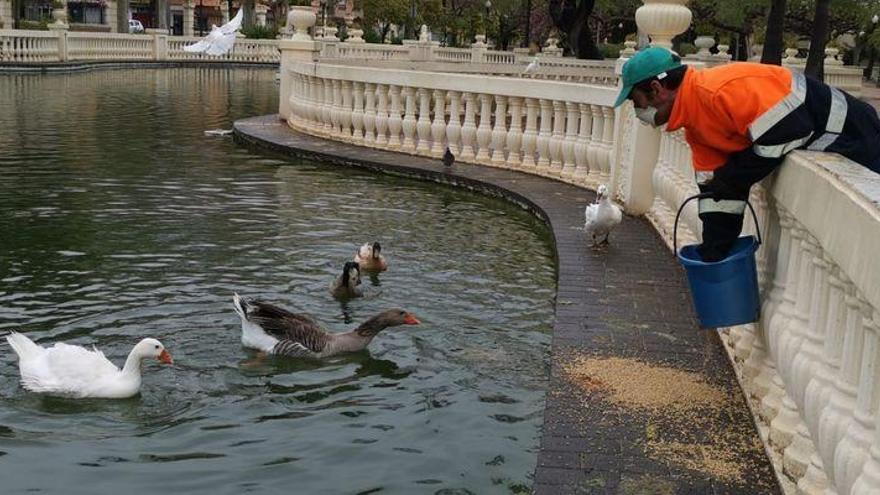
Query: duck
[
  {"x": 370, "y": 258},
  {"x": 347, "y": 284},
  {"x": 76, "y": 372},
  {"x": 601, "y": 217},
  {"x": 274, "y": 330}
]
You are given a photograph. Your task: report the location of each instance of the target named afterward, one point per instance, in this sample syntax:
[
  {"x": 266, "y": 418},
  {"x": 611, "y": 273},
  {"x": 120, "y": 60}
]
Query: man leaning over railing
[{"x": 740, "y": 121}]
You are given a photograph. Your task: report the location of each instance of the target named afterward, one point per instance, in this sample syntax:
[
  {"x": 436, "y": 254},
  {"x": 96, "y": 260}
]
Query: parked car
[{"x": 135, "y": 26}]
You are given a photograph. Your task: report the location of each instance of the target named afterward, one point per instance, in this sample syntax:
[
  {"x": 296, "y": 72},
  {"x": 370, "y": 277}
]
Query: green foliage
[
  {"x": 41, "y": 25},
  {"x": 299, "y": 3},
  {"x": 381, "y": 13},
  {"x": 57, "y": 4},
  {"x": 370, "y": 36},
  {"x": 260, "y": 32},
  {"x": 686, "y": 49},
  {"x": 610, "y": 50}
]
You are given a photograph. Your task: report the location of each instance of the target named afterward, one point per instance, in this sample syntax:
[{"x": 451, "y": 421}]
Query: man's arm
[{"x": 722, "y": 214}]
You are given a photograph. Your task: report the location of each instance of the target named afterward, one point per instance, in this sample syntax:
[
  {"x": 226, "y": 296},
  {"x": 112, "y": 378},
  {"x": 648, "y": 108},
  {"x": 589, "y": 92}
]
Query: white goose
[
  {"x": 74, "y": 371},
  {"x": 369, "y": 257},
  {"x": 601, "y": 217}
]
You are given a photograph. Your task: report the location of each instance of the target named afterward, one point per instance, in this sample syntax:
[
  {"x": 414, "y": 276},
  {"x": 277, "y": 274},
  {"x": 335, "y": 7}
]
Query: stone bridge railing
[
  {"x": 809, "y": 367},
  {"x": 40, "y": 47}
]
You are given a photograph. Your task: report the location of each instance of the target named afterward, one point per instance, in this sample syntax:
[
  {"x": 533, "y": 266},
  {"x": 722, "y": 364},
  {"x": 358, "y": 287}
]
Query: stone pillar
[
  {"x": 224, "y": 10},
  {"x": 162, "y": 11},
  {"x": 662, "y": 20},
  {"x": 261, "y": 14},
  {"x": 5, "y": 14},
  {"x": 110, "y": 16},
  {"x": 478, "y": 49},
  {"x": 189, "y": 8},
  {"x": 300, "y": 48},
  {"x": 638, "y": 148},
  {"x": 59, "y": 15}
]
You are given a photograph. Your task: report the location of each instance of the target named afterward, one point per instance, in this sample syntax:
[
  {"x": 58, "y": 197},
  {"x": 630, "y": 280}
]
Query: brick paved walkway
[{"x": 628, "y": 301}]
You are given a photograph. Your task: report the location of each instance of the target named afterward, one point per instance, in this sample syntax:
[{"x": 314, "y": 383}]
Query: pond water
[{"x": 120, "y": 219}]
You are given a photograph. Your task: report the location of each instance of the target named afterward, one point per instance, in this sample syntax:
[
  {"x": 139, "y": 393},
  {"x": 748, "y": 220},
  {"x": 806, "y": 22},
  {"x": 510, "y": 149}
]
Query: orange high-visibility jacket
[
  {"x": 741, "y": 119},
  {"x": 730, "y": 108}
]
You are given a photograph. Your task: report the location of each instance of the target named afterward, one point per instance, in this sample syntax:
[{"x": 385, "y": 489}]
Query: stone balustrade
[
  {"x": 21, "y": 46},
  {"x": 548, "y": 128}
]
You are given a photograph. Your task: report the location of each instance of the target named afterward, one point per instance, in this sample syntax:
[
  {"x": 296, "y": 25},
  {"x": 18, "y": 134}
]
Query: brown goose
[{"x": 275, "y": 330}]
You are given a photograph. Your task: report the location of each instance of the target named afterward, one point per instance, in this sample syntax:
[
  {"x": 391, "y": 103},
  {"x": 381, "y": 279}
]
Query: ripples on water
[{"x": 119, "y": 219}]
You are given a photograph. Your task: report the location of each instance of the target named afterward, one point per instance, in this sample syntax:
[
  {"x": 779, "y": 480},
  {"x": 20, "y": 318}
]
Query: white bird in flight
[{"x": 220, "y": 40}]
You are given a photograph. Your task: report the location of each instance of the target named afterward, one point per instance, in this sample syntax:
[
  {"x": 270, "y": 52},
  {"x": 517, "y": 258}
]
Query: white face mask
[{"x": 647, "y": 115}]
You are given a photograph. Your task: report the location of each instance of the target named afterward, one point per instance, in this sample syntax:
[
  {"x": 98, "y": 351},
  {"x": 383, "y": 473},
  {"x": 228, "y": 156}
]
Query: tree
[
  {"x": 570, "y": 17},
  {"x": 773, "y": 42},
  {"x": 815, "y": 60},
  {"x": 381, "y": 14}
]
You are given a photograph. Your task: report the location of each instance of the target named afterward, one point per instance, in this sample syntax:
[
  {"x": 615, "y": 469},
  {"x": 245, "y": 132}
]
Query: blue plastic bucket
[{"x": 725, "y": 293}]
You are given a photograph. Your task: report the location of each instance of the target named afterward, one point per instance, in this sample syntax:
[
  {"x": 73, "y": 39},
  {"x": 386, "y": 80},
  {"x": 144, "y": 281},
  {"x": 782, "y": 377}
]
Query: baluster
[
  {"x": 311, "y": 105},
  {"x": 823, "y": 308},
  {"x": 514, "y": 134},
  {"x": 382, "y": 116},
  {"x": 327, "y": 110},
  {"x": 582, "y": 143},
  {"x": 499, "y": 133},
  {"x": 453, "y": 128},
  {"x": 370, "y": 114},
  {"x": 852, "y": 452},
  {"x": 544, "y": 134},
  {"x": 594, "y": 149},
  {"x": 556, "y": 138},
  {"x": 868, "y": 482},
  {"x": 394, "y": 121},
  {"x": 798, "y": 326},
  {"x": 469, "y": 129},
  {"x": 837, "y": 414},
  {"x": 484, "y": 132},
  {"x": 530, "y": 136},
  {"x": 409, "y": 120},
  {"x": 438, "y": 126},
  {"x": 338, "y": 110},
  {"x": 568, "y": 145},
  {"x": 608, "y": 145},
  {"x": 424, "y": 124},
  {"x": 357, "y": 116}
]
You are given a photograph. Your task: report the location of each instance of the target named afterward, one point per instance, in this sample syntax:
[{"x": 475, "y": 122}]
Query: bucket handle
[{"x": 708, "y": 195}]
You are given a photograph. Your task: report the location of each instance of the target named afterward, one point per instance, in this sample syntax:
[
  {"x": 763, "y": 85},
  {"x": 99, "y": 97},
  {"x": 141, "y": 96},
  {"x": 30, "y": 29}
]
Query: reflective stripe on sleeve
[
  {"x": 780, "y": 110},
  {"x": 837, "y": 114},
  {"x": 823, "y": 142},
  {"x": 777, "y": 150},
  {"x": 731, "y": 206}
]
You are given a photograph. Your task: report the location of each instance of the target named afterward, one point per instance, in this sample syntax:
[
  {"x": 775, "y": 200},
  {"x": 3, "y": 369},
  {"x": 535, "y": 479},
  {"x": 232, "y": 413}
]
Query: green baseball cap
[{"x": 645, "y": 64}]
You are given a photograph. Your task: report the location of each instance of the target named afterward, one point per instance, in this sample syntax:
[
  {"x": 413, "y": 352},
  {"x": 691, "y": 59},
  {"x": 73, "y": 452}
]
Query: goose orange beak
[
  {"x": 409, "y": 319},
  {"x": 165, "y": 357}
]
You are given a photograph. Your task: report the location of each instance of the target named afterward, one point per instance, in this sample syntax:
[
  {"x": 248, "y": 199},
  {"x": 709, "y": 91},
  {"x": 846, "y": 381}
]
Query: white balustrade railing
[
  {"x": 22, "y": 46},
  {"x": 109, "y": 46},
  {"x": 550, "y": 128},
  {"x": 28, "y": 46}
]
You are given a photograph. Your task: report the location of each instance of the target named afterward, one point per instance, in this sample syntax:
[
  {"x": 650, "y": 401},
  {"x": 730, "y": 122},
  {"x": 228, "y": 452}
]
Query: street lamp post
[
  {"x": 324, "y": 13},
  {"x": 488, "y": 6}
]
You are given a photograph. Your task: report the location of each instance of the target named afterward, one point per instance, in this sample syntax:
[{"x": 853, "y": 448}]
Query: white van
[{"x": 135, "y": 26}]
